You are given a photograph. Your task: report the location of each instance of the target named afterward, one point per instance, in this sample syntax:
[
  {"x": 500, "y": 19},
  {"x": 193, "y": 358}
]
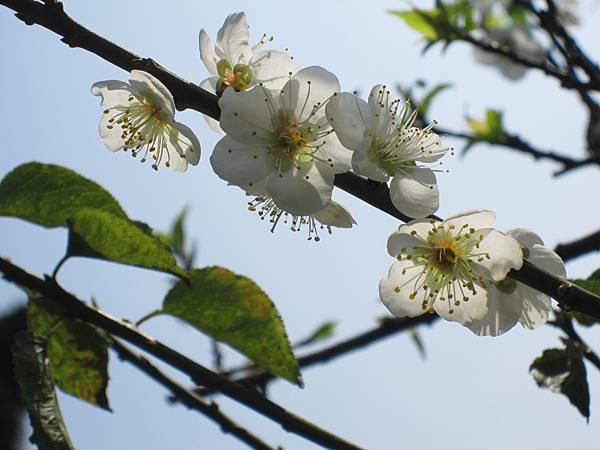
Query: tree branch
[
  {"x": 75, "y": 308},
  {"x": 579, "y": 247},
  {"x": 515, "y": 142},
  {"x": 188, "y": 398},
  {"x": 565, "y": 323}
]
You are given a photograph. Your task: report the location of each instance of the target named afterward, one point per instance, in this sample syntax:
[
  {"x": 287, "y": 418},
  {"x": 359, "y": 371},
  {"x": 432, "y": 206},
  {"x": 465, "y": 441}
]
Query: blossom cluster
[{"x": 288, "y": 131}]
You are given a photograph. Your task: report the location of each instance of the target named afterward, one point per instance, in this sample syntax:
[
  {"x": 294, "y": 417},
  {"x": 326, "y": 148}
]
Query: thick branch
[
  {"x": 188, "y": 398},
  {"x": 189, "y": 95},
  {"x": 77, "y": 309},
  {"x": 579, "y": 247}
]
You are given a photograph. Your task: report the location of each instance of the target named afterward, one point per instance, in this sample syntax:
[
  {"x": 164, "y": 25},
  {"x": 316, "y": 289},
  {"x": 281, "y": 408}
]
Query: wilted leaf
[
  {"x": 234, "y": 310},
  {"x": 78, "y": 354},
  {"x": 563, "y": 370},
  {"x": 98, "y": 234},
  {"x": 48, "y": 195},
  {"x": 37, "y": 388}
]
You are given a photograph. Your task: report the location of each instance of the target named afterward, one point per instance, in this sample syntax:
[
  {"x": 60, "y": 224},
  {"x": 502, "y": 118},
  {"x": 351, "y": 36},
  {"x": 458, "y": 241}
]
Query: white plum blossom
[
  {"x": 232, "y": 61},
  {"x": 140, "y": 116},
  {"x": 333, "y": 215},
  {"x": 447, "y": 267},
  {"x": 282, "y": 142},
  {"x": 510, "y": 301},
  {"x": 386, "y": 144},
  {"x": 519, "y": 40}
]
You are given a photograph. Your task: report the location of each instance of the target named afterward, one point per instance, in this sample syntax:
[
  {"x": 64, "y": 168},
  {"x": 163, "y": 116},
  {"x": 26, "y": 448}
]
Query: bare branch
[{"x": 188, "y": 398}]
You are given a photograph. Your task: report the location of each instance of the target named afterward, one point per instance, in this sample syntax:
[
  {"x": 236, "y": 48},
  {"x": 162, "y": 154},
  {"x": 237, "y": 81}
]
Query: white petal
[
  {"x": 240, "y": 164},
  {"x": 525, "y": 237},
  {"x": 475, "y": 308},
  {"x": 415, "y": 192},
  {"x": 363, "y": 165},
  {"x": 335, "y": 215},
  {"x": 402, "y": 242},
  {"x": 232, "y": 39},
  {"x": 380, "y": 105},
  {"x": 111, "y": 136},
  {"x": 245, "y": 116},
  {"x": 310, "y": 87},
  {"x": 504, "y": 254},
  {"x": 503, "y": 313},
  {"x": 113, "y": 92},
  {"x": 152, "y": 88},
  {"x": 536, "y": 307},
  {"x": 272, "y": 68},
  {"x": 548, "y": 260},
  {"x": 210, "y": 85},
  {"x": 349, "y": 116},
  {"x": 296, "y": 194},
  {"x": 207, "y": 53},
  {"x": 474, "y": 218},
  {"x": 187, "y": 144},
  {"x": 332, "y": 149},
  {"x": 395, "y": 289}
]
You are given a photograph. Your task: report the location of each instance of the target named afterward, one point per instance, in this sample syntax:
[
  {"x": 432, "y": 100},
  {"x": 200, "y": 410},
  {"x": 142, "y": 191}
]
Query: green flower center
[{"x": 238, "y": 77}]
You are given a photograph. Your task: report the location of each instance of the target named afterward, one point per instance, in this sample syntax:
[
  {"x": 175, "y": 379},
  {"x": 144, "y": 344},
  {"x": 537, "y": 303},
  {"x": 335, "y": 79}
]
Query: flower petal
[
  {"x": 207, "y": 53},
  {"x": 240, "y": 164},
  {"x": 309, "y": 88},
  {"x": 187, "y": 144},
  {"x": 335, "y": 215},
  {"x": 332, "y": 149},
  {"x": 245, "y": 116},
  {"x": 113, "y": 92},
  {"x": 536, "y": 307},
  {"x": 395, "y": 290},
  {"x": 210, "y": 85},
  {"x": 504, "y": 254},
  {"x": 350, "y": 117},
  {"x": 548, "y": 260},
  {"x": 525, "y": 237},
  {"x": 301, "y": 192},
  {"x": 415, "y": 192},
  {"x": 403, "y": 242},
  {"x": 465, "y": 312},
  {"x": 112, "y": 137},
  {"x": 232, "y": 39},
  {"x": 503, "y": 313},
  {"x": 152, "y": 88},
  {"x": 474, "y": 218},
  {"x": 273, "y": 68}
]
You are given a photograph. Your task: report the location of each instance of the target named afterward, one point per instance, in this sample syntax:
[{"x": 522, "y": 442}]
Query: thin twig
[
  {"x": 77, "y": 309},
  {"x": 579, "y": 247},
  {"x": 565, "y": 323},
  {"x": 188, "y": 398}
]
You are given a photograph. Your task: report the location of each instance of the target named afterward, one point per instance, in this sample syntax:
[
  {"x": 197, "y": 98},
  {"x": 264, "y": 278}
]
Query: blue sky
[{"x": 470, "y": 393}]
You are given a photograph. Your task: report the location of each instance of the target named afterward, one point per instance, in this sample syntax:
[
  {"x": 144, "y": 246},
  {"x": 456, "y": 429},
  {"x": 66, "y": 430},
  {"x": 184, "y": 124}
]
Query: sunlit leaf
[
  {"x": 416, "y": 338},
  {"x": 78, "y": 354},
  {"x": 563, "y": 371},
  {"x": 48, "y": 195},
  {"x": 98, "y": 234},
  {"x": 323, "y": 332},
  {"x": 430, "y": 96},
  {"x": 234, "y": 310},
  {"x": 488, "y": 129},
  {"x": 418, "y": 21},
  {"x": 37, "y": 389}
]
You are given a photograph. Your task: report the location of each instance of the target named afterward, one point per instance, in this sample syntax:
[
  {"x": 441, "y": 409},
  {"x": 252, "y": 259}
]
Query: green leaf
[
  {"x": 489, "y": 129},
  {"x": 427, "y": 100},
  {"x": 35, "y": 380},
  {"x": 420, "y": 21},
  {"x": 48, "y": 195},
  {"x": 563, "y": 370},
  {"x": 234, "y": 310},
  {"x": 323, "y": 332},
  {"x": 416, "y": 338},
  {"x": 592, "y": 284},
  {"x": 98, "y": 234},
  {"x": 78, "y": 354}
]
